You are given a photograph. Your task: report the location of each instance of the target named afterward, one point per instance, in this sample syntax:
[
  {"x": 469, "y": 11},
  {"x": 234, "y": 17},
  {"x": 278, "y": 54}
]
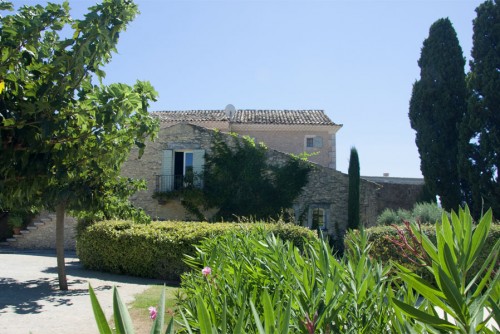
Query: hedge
[
  {"x": 157, "y": 250},
  {"x": 385, "y": 251}
]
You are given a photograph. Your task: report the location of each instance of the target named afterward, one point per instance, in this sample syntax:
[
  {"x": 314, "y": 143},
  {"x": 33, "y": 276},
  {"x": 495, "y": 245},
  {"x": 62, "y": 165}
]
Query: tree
[
  {"x": 437, "y": 107},
  {"x": 239, "y": 181},
  {"x": 64, "y": 138},
  {"x": 480, "y": 131},
  {"x": 353, "y": 196}
]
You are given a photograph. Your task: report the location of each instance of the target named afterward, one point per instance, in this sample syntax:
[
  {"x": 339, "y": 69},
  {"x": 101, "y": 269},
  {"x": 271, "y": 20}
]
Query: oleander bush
[
  {"x": 157, "y": 250},
  {"x": 249, "y": 281},
  {"x": 385, "y": 250},
  {"x": 256, "y": 283}
]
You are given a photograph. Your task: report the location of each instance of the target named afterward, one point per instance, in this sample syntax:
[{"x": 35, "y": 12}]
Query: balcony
[{"x": 166, "y": 183}]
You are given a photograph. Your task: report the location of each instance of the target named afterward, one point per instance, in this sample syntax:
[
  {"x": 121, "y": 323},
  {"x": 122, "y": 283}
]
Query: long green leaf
[
  {"x": 160, "y": 315},
  {"x": 269, "y": 318},
  {"x": 258, "y": 323},
  {"x": 479, "y": 237},
  {"x": 123, "y": 322},
  {"x": 203, "y": 316},
  {"x": 102, "y": 323},
  {"x": 285, "y": 323},
  {"x": 453, "y": 297},
  {"x": 170, "y": 327},
  {"x": 423, "y": 316}
]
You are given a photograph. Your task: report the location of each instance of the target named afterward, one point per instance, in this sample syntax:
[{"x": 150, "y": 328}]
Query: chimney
[{"x": 386, "y": 174}]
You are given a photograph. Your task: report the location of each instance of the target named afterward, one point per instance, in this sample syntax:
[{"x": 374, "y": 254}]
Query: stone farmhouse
[{"x": 186, "y": 136}]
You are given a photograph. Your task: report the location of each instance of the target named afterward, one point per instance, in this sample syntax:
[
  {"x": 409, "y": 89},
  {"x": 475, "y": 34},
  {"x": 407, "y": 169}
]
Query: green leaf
[
  {"x": 102, "y": 323},
  {"x": 258, "y": 323},
  {"x": 123, "y": 322},
  {"x": 269, "y": 318},
  {"x": 158, "y": 323},
  {"x": 423, "y": 316},
  {"x": 203, "y": 316}
]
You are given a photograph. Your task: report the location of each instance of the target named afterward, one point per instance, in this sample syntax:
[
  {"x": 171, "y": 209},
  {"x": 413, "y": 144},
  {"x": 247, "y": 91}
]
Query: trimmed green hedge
[
  {"x": 382, "y": 249},
  {"x": 157, "y": 250}
]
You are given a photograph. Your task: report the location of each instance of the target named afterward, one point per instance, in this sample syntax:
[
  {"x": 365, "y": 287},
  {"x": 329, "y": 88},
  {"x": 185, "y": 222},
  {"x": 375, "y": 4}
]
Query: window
[
  {"x": 180, "y": 168},
  {"x": 318, "y": 219},
  {"x": 314, "y": 141}
]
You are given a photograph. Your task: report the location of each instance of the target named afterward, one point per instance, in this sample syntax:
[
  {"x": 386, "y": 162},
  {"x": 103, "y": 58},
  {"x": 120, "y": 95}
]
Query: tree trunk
[{"x": 61, "y": 266}]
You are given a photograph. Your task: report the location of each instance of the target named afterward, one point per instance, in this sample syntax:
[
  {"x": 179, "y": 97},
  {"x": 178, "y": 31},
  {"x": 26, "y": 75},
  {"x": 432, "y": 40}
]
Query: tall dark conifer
[
  {"x": 353, "y": 197},
  {"x": 480, "y": 131},
  {"x": 437, "y": 107}
]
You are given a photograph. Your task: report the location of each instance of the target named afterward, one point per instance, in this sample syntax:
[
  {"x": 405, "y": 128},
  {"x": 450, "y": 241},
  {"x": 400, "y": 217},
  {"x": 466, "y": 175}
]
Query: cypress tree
[
  {"x": 437, "y": 107},
  {"x": 353, "y": 196},
  {"x": 480, "y": 131}
]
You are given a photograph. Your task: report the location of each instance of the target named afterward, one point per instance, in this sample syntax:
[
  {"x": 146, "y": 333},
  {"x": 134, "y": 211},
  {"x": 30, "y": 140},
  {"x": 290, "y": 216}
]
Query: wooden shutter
[
  {"x": 167, "y": 171},
  {"x": 198, "y": 164},
  {"x": 318, "y": 141}
]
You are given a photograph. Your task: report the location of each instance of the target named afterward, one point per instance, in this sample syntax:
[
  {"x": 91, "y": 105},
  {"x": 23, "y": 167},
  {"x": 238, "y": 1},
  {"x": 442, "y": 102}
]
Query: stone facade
[
  {"x": 293, "y": 139},
  {"x": 327, "y": 188},
  {"x": 289, "y": 131},
  {"x": 397, "y": 193},
  {"x": 41, "y": 234}
]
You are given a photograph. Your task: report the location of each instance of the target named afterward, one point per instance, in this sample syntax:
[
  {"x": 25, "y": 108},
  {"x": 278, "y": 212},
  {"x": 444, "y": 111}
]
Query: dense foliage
[
  {"x": 157, "y": 250},
  {"x": 248, "y": 281},
  {"x": 353, "y": 195},
  {"x": 437, "y": 107},
  {"x": 64, "y": 138},
  {"x": 422, "y": 213},
  {"x": 383, "y": 249},
  {"x": 480, "y": 132},
  {"x": 240, "y": 181}
]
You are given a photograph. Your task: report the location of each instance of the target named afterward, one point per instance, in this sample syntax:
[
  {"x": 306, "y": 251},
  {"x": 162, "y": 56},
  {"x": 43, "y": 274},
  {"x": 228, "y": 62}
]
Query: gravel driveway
[{"x": 30, "y": 301}]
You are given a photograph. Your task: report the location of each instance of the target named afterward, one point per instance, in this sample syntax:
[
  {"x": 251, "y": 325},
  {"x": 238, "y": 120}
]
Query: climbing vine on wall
[{"x": 240, "y": 182}]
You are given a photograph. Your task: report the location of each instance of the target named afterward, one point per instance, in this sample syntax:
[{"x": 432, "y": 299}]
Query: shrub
[
  {"x": 388, "y": 217},
  {"x": 156, "y": 250},
  {"x": 424, "y": 213},
  {"x": 427, "y": 213},
  {"x": 384, "y": 250},
  {"x": 259, "y": 284}
]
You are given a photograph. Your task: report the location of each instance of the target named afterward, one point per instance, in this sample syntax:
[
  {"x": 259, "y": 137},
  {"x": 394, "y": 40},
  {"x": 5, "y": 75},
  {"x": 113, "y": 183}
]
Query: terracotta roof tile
[
  {"x": 191, "y": 115},
  {"x": 310, "y": 117},
  {"x": 248, "y": 116}
]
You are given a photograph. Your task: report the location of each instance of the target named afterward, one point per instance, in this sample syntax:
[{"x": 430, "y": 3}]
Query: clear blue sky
[{"x": 357, "y": 60}]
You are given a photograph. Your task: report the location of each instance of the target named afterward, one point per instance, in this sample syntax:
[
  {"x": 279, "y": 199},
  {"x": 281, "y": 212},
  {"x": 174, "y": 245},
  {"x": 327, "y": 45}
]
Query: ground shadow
[{"x": 27, "y": 296}]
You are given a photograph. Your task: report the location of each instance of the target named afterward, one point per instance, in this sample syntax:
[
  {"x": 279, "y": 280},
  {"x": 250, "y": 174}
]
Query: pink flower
[
  {"x": 152, "y": 312},
  {"x": 206, "y": 271}
]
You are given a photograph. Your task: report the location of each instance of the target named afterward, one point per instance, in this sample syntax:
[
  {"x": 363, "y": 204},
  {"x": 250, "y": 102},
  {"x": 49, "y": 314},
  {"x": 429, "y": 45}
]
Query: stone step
[
  {"x": 4, "y": 243},
  {"x": 38, "y": 223},
  {"x": 25, "y": 232},
  {"x": 31, "y": 228},
  {"x": 45, "y": 220},
  {"x": 17, "y": 236},
  {"x": 11, "y": 239}
]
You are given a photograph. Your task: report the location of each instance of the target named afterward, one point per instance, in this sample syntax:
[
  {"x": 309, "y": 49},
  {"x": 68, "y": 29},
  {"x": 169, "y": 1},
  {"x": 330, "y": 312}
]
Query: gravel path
[{"x": 30, "y": 301}]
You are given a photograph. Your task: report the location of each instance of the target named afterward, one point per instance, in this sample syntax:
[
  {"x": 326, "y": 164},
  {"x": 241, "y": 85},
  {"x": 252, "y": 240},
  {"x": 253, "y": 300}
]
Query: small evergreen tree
[
  {"x": 353, "y": 199},
  {"x": 437, "y": 107},
  {"x": 480, "y": 131}
]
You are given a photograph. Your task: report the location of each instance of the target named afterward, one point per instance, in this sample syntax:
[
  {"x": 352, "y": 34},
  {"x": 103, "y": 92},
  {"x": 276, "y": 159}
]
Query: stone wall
[
  {"x": 178, "y": 136},
  {"x": 397, "y": 193},
  {"x": 44, "y": 235},
  {"x": 294, "y": 141},
  {"x": 326, "y": 187}
]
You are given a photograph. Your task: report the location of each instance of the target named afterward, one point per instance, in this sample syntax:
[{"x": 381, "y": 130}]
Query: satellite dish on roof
[{"x": 230, "y": 110}]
